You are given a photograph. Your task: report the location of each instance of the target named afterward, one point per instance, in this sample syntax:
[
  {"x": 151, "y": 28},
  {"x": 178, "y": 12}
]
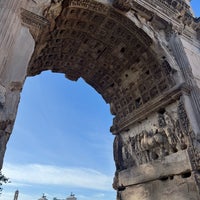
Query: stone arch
[
  {"x": 110, "y": 50},
  {"x": 137, "y": 55}
]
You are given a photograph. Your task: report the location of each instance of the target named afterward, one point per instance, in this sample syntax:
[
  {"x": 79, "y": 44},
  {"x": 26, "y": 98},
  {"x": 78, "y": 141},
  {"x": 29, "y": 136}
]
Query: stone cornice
[
  {"x": 144, "y": 111},
  {"x": 158, "y": 12},
  {"x": 31, "y": 20},
  {"x": 89, "y": 4},
  {"x": 153, "y": 171},
  {"x": 178, "y": 16}
]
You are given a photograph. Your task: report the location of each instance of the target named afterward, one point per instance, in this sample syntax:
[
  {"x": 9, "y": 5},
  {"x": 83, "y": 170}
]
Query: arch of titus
[{"x": 142, "y": 56}]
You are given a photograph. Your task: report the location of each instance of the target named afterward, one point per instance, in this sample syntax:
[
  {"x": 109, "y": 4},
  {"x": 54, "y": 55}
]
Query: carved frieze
[
  {"x": 170, "y": 134},
  {"x": 89, "y": 4}
]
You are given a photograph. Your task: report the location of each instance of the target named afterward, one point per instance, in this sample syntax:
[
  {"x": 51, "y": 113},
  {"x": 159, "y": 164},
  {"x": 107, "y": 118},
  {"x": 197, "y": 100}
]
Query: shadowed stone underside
[{"x": 108, "y": 51}]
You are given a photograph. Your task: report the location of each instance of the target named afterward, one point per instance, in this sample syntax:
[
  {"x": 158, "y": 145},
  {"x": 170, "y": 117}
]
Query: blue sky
[
  {"x": 196, "y": 7},
  {"x": 61, "y": 141}
]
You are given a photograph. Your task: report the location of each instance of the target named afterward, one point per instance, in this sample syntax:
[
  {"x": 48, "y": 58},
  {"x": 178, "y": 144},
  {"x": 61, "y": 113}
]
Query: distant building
[
  {"x": 71, "y": 197},
  {"x": 43, "y": 197},
  {"x": 16, "y": 195}
]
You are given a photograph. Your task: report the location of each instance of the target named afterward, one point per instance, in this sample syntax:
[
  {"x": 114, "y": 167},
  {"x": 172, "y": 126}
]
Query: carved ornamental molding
[
  {"x": 33, "y": 21},
  {"x": 123, "y": 5},
  {"x": 144, "y": 111},
  {"x": 176, "y": 13},
  {"x": 89, "y": 4}
]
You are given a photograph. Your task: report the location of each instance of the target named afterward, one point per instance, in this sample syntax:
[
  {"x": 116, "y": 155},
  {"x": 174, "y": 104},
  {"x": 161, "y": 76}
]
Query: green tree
[{"x": 3, "y": 180}]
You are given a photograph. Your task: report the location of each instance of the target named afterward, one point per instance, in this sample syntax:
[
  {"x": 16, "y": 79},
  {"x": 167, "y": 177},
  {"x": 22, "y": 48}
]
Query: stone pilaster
[
  {"x": 16, "y": 47},
  {"x": 9, "y": 26},
  {"x": 186, "y": 69}
]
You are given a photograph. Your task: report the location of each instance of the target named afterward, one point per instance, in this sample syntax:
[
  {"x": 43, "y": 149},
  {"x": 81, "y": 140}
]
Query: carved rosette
[{"x": 123, "y": 5}]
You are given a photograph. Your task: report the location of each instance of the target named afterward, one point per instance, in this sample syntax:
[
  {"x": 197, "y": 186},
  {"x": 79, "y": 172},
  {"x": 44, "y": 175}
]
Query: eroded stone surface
[
  {"x": 160, "y": 135},
  {"x": 174, "y": 187},
  {"x": 141, "y": 56}
]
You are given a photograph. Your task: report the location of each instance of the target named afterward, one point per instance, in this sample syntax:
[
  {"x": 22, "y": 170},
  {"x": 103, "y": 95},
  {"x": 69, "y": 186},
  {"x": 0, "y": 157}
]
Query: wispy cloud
[
  {"x": 16, "y": 184},
  {"x": 97, "y": 196},
  {"x": 54, "y": 175}
]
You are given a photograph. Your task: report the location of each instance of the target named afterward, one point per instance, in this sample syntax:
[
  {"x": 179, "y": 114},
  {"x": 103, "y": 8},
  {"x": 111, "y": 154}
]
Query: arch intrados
[{"x": 107, "y": 49}]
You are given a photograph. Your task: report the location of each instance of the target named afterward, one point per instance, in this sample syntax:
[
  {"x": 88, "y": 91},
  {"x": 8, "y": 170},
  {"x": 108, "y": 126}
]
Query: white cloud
[
  {"x": 98, "y": 196},
  {"x": 16, "y": 184},
  {"x": 54, "y": 175}
]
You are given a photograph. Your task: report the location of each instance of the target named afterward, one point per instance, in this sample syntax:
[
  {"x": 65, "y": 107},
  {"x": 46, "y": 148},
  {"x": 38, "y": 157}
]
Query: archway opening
[
  {"x": 112, "y": 53},
  {"x": 61, "y": 141},
  {"x": 109, "y": 50}
]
